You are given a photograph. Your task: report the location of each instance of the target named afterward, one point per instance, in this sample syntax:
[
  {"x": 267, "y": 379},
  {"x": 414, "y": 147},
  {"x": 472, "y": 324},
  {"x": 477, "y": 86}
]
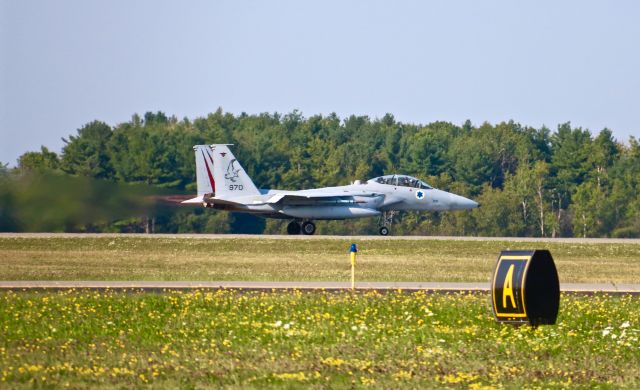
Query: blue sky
[{"x": 66, "y": 63}]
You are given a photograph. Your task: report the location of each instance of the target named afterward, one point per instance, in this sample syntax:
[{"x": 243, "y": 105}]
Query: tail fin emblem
[{"x": 232, "y": 172}]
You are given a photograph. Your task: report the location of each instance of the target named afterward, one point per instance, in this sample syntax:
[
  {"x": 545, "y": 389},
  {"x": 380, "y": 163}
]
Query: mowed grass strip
[
  {"x": 162, "y": 258},
  {"x": 311, "y": 340}
]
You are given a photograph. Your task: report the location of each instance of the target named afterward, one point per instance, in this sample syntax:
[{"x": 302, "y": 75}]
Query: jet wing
[{"x": 316, "y": 196}]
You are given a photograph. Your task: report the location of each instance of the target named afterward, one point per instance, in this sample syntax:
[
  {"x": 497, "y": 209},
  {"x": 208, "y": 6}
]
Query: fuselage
[{"x": 355, "y": 200}]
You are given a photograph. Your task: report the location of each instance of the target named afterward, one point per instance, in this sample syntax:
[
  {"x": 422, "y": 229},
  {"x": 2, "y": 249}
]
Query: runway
[
  {"x": 635, "y": 241},
  {"x": 432, "y": 287},
  {"x": 429, "y": 287}
]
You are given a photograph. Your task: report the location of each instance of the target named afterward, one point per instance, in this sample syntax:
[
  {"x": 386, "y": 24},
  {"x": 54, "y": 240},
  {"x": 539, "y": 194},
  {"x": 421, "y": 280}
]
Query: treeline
[{"x": 530, "y": 182}]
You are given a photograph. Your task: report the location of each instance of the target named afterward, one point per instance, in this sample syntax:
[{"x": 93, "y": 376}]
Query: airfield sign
[
  {"x": 508, "y": 299},
  {"x": 525, "y": 288}
]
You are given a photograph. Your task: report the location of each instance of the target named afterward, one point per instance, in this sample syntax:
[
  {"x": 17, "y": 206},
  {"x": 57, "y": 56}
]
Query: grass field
[
  {"x": 153, "y": 258},
  {"x": 294, "y": 340}
]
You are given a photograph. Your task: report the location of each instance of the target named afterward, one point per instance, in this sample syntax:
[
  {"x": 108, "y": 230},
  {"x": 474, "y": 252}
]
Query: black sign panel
[
  {"x": 508, "y": 297},
  {"x": 525, "y": 288}
]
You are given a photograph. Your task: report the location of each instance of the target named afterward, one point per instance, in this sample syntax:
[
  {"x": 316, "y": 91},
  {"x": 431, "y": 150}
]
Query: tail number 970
[{"x": 236, "y": 187}]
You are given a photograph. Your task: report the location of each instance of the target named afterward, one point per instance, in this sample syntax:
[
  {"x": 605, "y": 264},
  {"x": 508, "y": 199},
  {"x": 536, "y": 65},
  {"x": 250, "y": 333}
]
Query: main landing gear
[
  {"x": 385, "y": 221},
  {"x": 307, "y": 227},
  {"x": 293, "y": 228}
]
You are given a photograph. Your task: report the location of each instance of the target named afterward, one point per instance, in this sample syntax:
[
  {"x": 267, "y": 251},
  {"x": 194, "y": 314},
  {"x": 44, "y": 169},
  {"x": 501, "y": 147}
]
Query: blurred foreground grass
[
  {"x": 166, "y": 258},
  {"x": 311, "y": 340}
]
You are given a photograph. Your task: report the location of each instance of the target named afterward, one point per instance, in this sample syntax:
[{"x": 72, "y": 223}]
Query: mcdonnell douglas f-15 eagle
[{"x": 224, "y": 185}]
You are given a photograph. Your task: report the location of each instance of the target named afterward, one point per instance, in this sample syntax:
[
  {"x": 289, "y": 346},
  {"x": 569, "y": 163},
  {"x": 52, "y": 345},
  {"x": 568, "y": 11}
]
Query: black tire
[
  {"x": 293, "y": 228},
  {"x": 308, "y": 228},
  {"x": 384, "y": 231}
]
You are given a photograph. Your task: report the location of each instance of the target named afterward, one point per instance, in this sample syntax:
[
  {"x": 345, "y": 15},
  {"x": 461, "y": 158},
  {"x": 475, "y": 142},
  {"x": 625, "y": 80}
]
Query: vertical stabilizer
[
  {"x": 204, "y": 170},
  {"x": 230, "y": 178}
]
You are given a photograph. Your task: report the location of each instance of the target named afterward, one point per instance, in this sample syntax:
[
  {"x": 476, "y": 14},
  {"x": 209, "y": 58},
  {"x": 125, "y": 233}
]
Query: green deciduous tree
[
  {"x": 44, "y": 160},
  {"x": 86, "y": 153}
]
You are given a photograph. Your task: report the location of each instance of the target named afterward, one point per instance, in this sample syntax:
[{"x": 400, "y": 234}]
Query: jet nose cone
[
  {"x": 469, "y": 204},
  {"x": 461, "y": 203}
]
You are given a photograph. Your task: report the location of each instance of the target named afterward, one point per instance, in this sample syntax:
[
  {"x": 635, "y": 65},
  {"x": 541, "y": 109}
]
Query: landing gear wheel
[
  {"x": 308, "y": 228},
  {"x": 293, "y": 228},
  {"x": 384, "y": 231}
]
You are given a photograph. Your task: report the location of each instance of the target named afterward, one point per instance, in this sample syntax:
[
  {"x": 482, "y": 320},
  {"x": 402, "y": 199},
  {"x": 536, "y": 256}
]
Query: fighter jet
[{"x": 223, "y": 184}]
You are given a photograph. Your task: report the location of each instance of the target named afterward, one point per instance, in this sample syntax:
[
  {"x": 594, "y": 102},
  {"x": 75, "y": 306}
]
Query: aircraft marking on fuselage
[{"x": 420, "y": 195}]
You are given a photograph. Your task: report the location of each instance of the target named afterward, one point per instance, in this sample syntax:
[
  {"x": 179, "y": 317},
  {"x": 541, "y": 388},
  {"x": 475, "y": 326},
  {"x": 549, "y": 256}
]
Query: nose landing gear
[{"x": 385, "y": 221}]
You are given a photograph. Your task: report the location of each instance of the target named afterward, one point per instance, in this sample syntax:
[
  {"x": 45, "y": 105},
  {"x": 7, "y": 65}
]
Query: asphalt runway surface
[
  {"x": 430, "y": 287},
  {"x": 435, "y": 287},
  {"x": 321, "y": 237}
]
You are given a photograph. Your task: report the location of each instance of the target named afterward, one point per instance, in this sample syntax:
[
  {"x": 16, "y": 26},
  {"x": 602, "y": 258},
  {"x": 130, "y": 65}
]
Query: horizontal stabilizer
[{"x": 196, "y": 200}]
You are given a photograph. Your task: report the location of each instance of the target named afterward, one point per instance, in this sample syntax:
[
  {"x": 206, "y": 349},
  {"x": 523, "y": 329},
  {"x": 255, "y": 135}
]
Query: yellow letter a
[{"x": 507, "y": 289}]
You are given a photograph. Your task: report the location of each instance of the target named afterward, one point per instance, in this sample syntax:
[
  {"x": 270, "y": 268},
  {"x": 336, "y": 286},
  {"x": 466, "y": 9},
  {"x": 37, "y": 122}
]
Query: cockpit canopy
[{"x": 401, "y": 181}]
